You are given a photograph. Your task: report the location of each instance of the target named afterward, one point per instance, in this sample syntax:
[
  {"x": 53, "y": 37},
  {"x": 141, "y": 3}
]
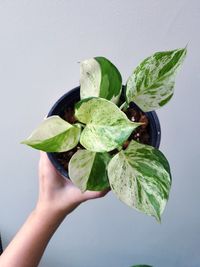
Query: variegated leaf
[
  {"x": 140, "y": 177},
  {"x": 54, "y": 135},
  {"x": 152, "y": 83},
  {"x": 107, "y": 127},
  {"x": 100, "y": 78},
  {"x": 88, "y": 170}
]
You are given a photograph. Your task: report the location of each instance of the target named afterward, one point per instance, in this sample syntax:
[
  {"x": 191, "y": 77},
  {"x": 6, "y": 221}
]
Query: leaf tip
[
  {"x": 158, "y": 218},
  {"x": 24, "y": 142}
]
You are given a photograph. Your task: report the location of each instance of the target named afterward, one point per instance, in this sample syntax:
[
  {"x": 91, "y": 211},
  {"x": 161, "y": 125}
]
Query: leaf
[
  {"x": 54, "y": 135},
  {"x": 107, "y": 127},
  {"x": 88, "y": 170},
  {"x": 140, "y": 177},
  {"x": 151, "y": 85},
  {"x": 100, "y": 78}
]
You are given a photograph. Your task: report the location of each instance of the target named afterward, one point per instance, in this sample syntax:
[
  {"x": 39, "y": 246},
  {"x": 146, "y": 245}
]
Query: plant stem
[{"x": 124, "y": 106}]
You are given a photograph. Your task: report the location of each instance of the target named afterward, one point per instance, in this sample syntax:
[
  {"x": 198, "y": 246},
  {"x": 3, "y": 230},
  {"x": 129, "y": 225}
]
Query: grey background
[{"x": 40, "y": 45}]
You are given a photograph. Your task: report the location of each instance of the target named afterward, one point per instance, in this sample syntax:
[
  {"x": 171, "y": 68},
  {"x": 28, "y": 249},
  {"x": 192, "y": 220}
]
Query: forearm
[{"x": 27, "y": 247}]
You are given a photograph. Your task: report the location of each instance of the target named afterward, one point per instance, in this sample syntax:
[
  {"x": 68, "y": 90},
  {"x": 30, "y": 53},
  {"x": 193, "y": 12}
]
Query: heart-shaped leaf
[
  {"x": 140, "y": 177},
  {"x": 107, "y": 127},
  {"x": 54, "y": 135},
  {"x": 88, "y": 170},
  {"x": 100, "y": 78},
  {"x": 152, "y": 83}
]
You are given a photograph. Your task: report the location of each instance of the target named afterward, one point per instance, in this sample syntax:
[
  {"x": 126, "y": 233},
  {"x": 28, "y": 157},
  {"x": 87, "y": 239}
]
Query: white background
[{"x": 40, "y": 45}]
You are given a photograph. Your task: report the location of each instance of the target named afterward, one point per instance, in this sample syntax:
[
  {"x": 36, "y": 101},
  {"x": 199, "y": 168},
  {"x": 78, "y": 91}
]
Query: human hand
[
  {"x": 57, "y": 198},
  {"x": 57, "y": 194}
]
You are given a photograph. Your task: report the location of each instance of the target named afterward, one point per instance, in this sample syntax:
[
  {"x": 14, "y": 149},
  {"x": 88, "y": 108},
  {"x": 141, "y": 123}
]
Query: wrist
[
  {"x": 56, "y": 208},
  {"x": 48, "y": 214}
]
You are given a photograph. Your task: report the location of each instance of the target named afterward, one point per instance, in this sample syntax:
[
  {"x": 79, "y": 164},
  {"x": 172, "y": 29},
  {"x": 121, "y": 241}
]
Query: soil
[{"x": 141, "y": 134}]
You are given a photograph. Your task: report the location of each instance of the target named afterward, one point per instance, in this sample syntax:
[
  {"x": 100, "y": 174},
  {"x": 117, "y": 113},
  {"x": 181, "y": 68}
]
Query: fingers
[
  {"x": 44, "y": 158},
  {"x": 49, "y": 176},
  {"x": 95, "y": 194},
  {"x": 45, "y": 162},
  {"x": 47, "y": 171}
]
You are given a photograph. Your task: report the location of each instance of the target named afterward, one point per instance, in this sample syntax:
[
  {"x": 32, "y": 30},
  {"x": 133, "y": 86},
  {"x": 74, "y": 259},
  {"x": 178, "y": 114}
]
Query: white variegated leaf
[
  {"x": 140, "y": 177},
  {"x": 152, "y": 83},
  {"x": 88, "y": 170},
  {"x": 100, "y": 78},
  {"x": 107, "y": 127},
  {"x": 54, "y": 135}
]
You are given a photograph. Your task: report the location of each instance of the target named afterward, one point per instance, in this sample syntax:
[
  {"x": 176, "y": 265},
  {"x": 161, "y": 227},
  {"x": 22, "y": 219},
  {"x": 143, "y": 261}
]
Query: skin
[{"x": 57, "y": 198}]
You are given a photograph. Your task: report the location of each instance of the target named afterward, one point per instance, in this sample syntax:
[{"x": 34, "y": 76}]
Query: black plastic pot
[{"x": 73, "y": 96}]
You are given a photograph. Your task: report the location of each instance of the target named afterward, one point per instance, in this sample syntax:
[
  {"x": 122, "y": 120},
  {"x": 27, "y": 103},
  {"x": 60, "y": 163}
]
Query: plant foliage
[{"x": 140, "y": 174}]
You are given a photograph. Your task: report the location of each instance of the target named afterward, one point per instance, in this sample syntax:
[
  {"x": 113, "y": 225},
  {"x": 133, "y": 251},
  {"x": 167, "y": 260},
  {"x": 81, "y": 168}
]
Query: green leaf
[
  {"x": 100, "y": 78},
  {"x": 140, "y": 177},
  {"x": 107, "y": 127},
  {"x": 54, "y": 135},
  {"x": 152, "y": 83},
  {"x": 87, "y": 170}
]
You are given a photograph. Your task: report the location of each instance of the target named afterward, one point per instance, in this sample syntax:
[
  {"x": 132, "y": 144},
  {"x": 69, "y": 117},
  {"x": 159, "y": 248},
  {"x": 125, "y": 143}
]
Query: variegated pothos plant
[{"x": 140, "y": 174}]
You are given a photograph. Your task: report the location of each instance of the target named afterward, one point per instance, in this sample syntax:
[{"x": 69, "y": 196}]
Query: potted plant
[{"x": 103, "y": 134}]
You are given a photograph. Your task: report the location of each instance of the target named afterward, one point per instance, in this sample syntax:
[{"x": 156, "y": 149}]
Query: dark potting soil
[{"x": 141, "y": 134}]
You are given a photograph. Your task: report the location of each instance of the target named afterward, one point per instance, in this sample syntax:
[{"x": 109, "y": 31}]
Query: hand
[
  {"x": 58, "y": 194},
  {"x": 57, "y": 197}
]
